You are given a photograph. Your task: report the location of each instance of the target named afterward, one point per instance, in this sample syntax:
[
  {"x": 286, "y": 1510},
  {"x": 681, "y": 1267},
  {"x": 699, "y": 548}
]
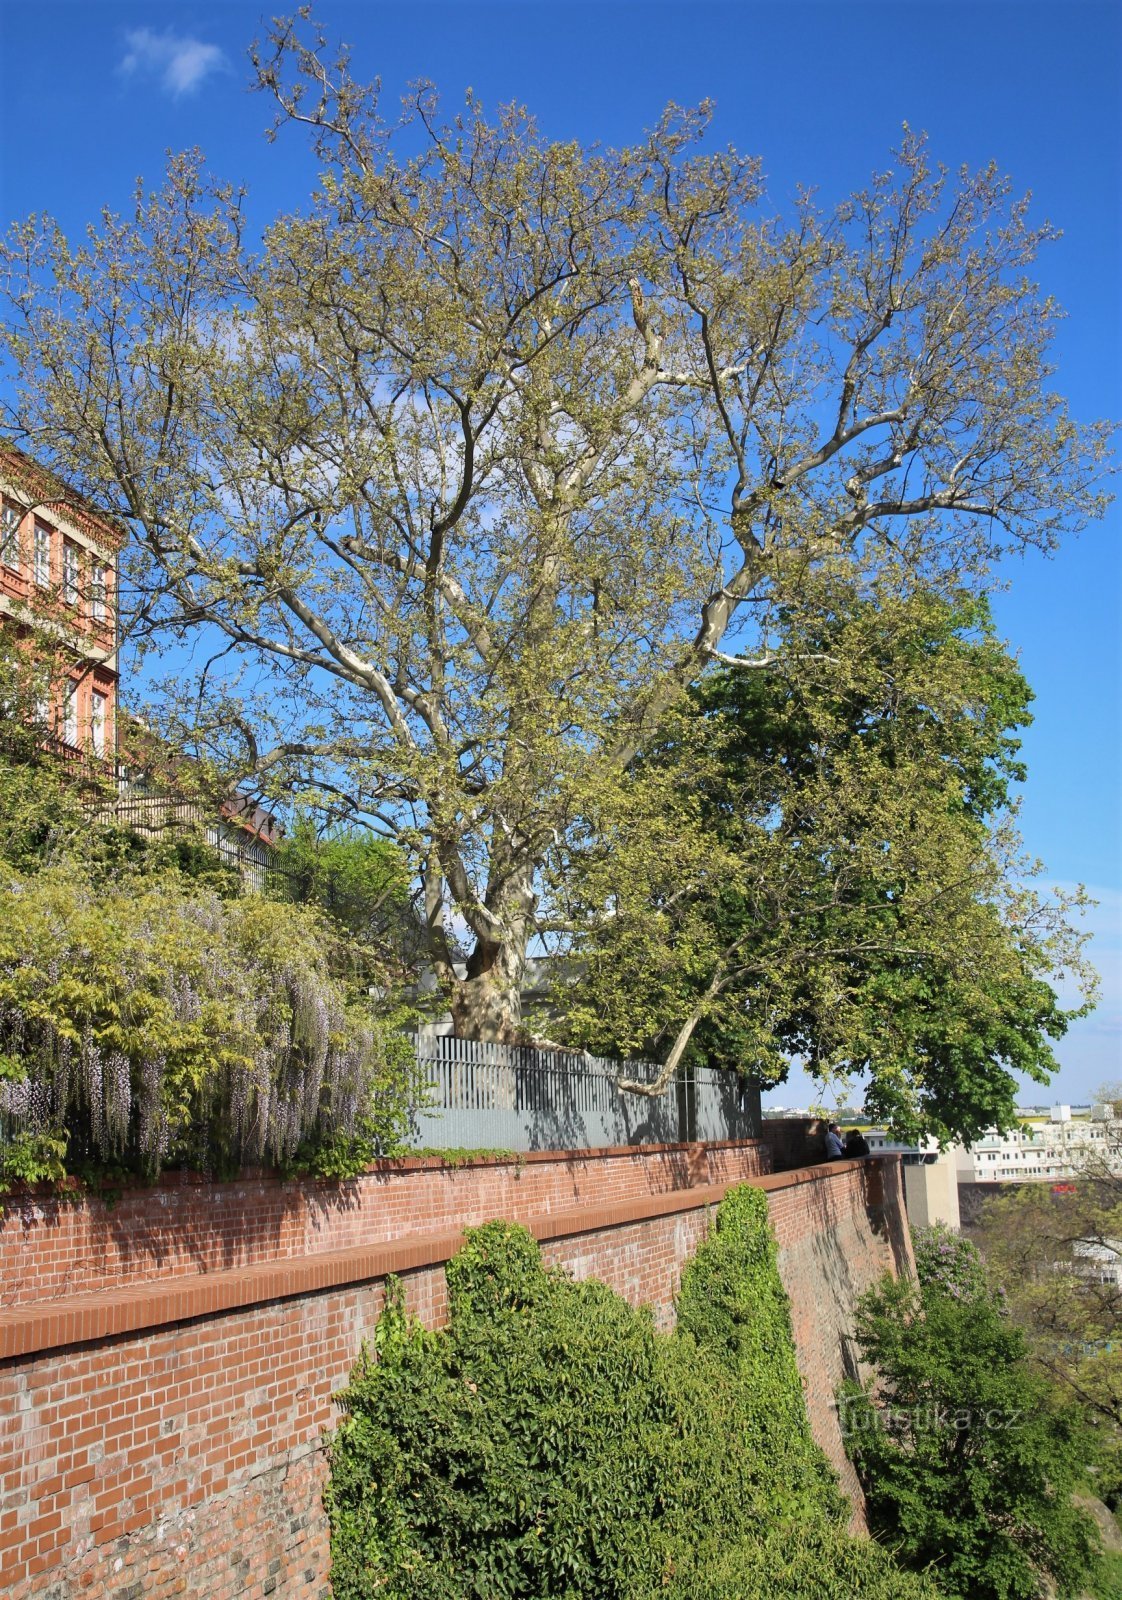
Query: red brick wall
[
  {"x": 20, "y": 592},
  {"x": 181, "y": 1452},
  {"x": 793, "y": 1141},
  {"x": 51, "y": 1247},
  {"x": 186, "y": 1460},
  {"x": 838, "y": 1231}
]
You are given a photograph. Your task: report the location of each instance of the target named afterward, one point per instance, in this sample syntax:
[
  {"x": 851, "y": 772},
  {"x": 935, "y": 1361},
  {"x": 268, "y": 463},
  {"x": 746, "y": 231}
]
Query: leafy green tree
[
  {"x": 967, "y": 1458},
  {"x": 819, "y": 860},
  {"x": 362, "y": 881},
  {"x": 482, "y": 455}
]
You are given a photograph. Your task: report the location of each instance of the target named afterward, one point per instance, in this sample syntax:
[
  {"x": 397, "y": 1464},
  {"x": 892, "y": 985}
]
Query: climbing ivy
[{"x": 551, "y": 1442}]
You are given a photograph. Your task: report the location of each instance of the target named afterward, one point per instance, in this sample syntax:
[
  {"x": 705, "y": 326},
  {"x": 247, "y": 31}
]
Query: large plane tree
[{"x": 480, "y": 455}]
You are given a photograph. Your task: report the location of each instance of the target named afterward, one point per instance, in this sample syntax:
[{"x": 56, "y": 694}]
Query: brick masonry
[
  {"x": 164, "y": 1393},
  {"x": 52, "y": 1247},
  {"x": 839, "y": 1229}
]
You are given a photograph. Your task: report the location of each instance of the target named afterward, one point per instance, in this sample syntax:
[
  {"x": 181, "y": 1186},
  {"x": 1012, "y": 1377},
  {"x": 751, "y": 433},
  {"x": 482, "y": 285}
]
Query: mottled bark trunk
[{"x": 486, "y": 1004}]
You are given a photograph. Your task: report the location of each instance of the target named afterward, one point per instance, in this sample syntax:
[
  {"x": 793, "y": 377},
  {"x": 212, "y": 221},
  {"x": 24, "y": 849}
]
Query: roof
[{"x": 45, "y": 488}]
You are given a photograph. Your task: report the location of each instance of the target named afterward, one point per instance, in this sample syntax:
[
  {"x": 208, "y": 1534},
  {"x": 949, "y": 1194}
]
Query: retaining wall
[
  {"x": 52, "y": 1246},
  {"x": 167, "y": 1363}
]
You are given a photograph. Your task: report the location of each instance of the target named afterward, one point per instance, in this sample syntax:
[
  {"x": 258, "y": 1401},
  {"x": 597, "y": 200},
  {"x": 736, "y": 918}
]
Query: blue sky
[{"x": 96, "y": 91}]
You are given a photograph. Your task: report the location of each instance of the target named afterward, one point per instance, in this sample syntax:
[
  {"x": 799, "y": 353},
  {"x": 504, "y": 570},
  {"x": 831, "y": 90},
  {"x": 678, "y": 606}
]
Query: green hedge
[{"x": 551, "y": 1443}]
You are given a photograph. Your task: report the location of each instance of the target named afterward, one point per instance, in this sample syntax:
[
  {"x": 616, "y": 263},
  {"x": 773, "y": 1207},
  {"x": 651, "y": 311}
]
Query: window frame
[
  {"x": 99, "y": 719},
  {"x": 71, "y": 572},
  {"x": 71, "y": 733},
  {"x": 11, "y": 553},
  {"x": 99, "y": 591},
  {"x": 41, "y": 569}
]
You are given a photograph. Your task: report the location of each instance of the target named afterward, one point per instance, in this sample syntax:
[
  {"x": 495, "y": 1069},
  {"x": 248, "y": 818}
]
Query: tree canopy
[
  {"x": 482, "y": 454},
  {"x": 1057, "y": 1256},
  {"x": 820, "y": 860}
]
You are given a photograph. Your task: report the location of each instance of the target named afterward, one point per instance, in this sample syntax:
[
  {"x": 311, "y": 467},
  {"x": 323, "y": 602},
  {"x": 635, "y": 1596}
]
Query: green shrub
[
  {"x": 551, "y": 1443},
  {"x": 967, "y": 1458},
  {"x": 815, "y": 1562},
  {"x": 146, "y": 1020}
]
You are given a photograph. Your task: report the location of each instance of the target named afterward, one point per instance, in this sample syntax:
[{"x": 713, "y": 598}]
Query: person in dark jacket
[{"x": 856, "y": 1143}]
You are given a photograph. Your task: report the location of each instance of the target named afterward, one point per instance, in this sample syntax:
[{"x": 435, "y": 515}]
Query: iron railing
[{"x": 513, "y": 1097}]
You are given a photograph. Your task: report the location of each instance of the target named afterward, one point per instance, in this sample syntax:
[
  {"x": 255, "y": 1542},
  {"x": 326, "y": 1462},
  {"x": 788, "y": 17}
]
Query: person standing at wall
[{"x": 834, "y": 1150}]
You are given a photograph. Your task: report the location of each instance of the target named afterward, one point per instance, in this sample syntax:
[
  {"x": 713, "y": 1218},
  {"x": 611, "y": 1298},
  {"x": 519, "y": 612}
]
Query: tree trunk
[
  {"x": 486, "y": 1003},
  {"x": 488, "y": 1006}
]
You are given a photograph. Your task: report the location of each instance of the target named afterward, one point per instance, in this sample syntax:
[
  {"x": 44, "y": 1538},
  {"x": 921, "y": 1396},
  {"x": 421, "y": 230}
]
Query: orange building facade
[{"x": 58, "y": 583}]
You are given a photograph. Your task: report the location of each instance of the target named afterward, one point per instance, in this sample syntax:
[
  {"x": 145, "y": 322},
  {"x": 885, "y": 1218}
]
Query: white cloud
[{"x": 181, "y": 64}]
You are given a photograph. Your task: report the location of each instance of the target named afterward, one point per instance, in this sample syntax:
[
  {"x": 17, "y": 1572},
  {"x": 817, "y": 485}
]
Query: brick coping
[
  {"x": 82, "y": 1319},
  {"x": 72, "y": 1191}
]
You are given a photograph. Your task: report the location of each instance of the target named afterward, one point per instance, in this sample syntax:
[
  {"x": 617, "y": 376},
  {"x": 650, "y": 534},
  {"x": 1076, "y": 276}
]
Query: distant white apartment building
[
  {"x": 1047, "y": 1145},
  {"x": 1102, "y": 1263}
]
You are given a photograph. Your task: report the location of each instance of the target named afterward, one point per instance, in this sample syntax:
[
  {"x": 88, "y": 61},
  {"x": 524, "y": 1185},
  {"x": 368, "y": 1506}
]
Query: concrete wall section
[{"x": 931, "y": 1190}]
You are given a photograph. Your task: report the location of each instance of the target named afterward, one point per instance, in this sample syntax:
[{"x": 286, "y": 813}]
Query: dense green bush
[
  {"x": 146, "y": 1020},
  {"x": 732, "y": 1308},
  {"x": 1108, "y": 1580},
  {"x": 552, "y": 1443},
  {"x": 967, "y": 1458},
  {"x": 808, "y": 1562}
]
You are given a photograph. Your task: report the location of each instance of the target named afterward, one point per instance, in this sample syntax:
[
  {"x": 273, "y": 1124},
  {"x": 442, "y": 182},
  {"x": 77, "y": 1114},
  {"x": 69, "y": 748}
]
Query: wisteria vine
[{"x": 173, "y": 1026}]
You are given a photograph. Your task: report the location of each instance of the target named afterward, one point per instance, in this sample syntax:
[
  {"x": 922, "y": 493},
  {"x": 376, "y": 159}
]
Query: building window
[
  {"x": 97, "y": 593},
  {"x": 97, "y": 723},
  {"x": 70, "y": 572},
  {"x": 42, "y": 556},
  {"x": 9, "y": 536},
  {"x": 70, "y": 714}
]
